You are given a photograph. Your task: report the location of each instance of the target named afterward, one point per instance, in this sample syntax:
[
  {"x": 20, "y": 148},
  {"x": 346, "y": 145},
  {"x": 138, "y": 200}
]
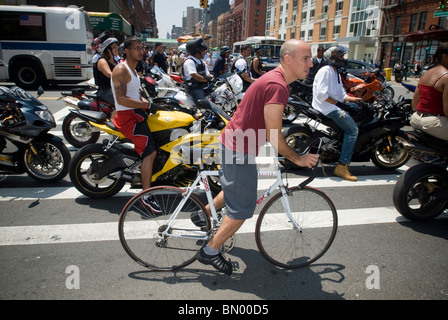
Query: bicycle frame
[{"x": 202, "y": 176}]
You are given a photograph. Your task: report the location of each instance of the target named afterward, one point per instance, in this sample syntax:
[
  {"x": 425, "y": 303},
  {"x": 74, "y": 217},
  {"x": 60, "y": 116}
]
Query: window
[
  {"x": 23, "y": 26},
  {"x": 397, "y": 25},
  {"x": 422, "y": 24},
  {"x": 323, "y": 32},
  {"x": 413, "y": 25}
]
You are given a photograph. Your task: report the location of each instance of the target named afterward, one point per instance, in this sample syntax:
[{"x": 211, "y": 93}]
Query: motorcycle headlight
[{"x": 45, "y": 115}]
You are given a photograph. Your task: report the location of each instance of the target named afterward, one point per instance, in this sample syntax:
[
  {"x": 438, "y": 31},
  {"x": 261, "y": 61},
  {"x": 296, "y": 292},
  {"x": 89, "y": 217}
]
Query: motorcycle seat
[
  {"x": 431, "y": 140},
  {"x": 98, "y": 117}
]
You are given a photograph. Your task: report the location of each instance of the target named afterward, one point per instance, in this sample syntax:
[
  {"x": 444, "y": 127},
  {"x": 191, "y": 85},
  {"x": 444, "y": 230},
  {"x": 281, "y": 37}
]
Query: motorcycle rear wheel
[
  {"x": 78, "y": 132},
  {"x": 414, "y": 188},
  {"x": 81, "y": 173},
  {"x": 51, "y": 164}
]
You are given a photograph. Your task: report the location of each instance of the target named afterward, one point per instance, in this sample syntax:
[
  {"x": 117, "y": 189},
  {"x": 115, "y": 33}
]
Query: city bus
[
  {"x": 45, "y": 45},
  {"x": 271, "y": 49}
]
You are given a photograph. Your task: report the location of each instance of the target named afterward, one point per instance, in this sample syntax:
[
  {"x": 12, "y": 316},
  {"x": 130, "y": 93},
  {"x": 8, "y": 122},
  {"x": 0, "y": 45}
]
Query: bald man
[{"x": 258, "y": 119}]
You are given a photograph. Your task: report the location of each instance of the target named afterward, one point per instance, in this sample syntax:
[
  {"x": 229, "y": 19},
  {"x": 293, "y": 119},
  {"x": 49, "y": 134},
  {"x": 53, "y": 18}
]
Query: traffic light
[
  {"x": 203, "y": 3},
  {"x": 443, "y": 5}
]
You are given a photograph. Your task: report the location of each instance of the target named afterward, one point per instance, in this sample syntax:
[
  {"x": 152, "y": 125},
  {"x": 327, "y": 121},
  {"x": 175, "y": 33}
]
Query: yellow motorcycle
[{"x": 182, "y": 137}]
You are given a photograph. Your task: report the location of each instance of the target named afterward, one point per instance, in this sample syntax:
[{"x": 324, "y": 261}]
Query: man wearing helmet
[
  {"x": 219, "y": 67},
  {"x": 195, "y": 71},
  {"x": 330, "y": 97}
]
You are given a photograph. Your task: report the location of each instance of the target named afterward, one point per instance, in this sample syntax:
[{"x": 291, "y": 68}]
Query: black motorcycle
[
  {"x": 421, "y": 193},
  {"x": 378, "y": 139},
  {"x": 25, "y": 144}
]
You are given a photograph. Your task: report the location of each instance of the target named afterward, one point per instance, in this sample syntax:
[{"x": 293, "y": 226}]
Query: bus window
[{"x": 22, "y": 26}]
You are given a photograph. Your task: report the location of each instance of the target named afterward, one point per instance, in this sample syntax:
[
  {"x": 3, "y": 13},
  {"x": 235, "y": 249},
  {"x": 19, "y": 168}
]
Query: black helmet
[
  {"x": 224, "y": 50},
  {"x": 196, "y": 46},
  {"x": 332, "y": 55}
]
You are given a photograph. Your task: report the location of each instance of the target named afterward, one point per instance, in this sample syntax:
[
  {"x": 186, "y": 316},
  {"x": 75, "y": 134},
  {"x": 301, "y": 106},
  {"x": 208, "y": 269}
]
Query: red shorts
[{"x": 132, "y": 124}]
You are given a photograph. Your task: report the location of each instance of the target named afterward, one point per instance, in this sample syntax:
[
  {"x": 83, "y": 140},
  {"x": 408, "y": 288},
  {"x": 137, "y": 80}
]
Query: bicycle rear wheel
[
  {"x": 281, "y": 243},
  {"x": 141, "y": 230}
]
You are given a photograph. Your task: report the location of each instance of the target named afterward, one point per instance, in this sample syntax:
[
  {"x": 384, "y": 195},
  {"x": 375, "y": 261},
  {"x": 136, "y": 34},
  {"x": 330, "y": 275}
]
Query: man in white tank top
[{"x": 131, "y": 111}]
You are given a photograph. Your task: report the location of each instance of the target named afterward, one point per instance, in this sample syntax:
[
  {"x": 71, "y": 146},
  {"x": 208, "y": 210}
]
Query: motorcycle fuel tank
[{"x": 164, "y": 120}]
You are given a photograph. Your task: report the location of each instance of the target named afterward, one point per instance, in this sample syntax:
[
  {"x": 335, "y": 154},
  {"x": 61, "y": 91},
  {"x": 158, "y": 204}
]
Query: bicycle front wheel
[
  {"x": 155, "y": 242},
  {"x": 281, "y": 242}
]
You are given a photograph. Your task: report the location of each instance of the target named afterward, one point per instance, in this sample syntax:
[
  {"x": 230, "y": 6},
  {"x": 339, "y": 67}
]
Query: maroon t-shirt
[{"x": 246, "y": 131}]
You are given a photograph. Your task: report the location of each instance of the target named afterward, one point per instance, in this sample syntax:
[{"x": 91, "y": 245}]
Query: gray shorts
[{"x": 238, "y": 177}]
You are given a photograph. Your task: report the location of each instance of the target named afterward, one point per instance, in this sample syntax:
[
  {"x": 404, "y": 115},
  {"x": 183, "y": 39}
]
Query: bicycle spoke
[
  {"x": 155, "y": 242},
  {"x": 278, "y": 239}
]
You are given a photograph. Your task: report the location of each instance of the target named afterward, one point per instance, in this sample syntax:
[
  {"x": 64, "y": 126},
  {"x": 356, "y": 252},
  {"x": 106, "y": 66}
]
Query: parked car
[{"x": 357, "y": 67}]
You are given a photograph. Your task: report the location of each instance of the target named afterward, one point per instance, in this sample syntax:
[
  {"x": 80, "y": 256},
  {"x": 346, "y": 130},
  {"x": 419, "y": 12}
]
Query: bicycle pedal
[{"x": 228, "y": 245}]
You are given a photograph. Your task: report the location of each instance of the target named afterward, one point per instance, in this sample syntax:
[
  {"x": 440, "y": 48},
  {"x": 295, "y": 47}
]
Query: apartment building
[
  {"x": 327, "y": 22},
  {"x": 384, "y": 31},
  {"x": 411, "y": 31}
]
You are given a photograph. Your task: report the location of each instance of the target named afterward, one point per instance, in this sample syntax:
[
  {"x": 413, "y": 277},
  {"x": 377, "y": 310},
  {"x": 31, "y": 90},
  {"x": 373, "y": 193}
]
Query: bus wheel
[{"x": 27, "y": 75}]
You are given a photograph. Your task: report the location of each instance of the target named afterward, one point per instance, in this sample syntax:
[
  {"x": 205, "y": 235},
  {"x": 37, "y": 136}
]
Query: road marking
[
  {"x": 108, "y": 231},
  {"x": 60, "y": 193}
]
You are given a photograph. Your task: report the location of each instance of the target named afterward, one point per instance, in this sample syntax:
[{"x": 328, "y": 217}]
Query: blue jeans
[
  {"x": 197, "y": 94},
  {"x": 348, "y": 125}
]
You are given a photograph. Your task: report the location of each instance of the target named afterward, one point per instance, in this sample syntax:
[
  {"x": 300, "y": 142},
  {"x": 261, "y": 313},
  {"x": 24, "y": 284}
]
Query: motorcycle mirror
[{"x": 40, "y": 91}]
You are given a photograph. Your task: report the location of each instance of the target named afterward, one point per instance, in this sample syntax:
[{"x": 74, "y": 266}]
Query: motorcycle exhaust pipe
[
  {"x": 418, "y": 148},
  {"x": 71, "y": 102}
]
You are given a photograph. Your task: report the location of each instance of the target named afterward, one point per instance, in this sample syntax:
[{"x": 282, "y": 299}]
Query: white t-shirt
[
  {"x": 241, "y": 64},
  {"x": 190, "y": 67},
  {"x": 326, "y": 85}
]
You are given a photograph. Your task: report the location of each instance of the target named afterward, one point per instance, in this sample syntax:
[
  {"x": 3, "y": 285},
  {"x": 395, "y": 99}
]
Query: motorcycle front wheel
[
  {"x": 50, "y": 164},
  {"x": 412, "y": 195},
  {"x": 82, "y": 175},
  {"x": 390, "y": 154},
  {"x": 78, "y": 132}
]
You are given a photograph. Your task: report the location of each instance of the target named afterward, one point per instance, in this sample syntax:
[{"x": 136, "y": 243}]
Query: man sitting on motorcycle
[
  {"x": 329, "y": 97},
  {"x": 196, "y": 73},
  {"x": 132, "y": 112}
]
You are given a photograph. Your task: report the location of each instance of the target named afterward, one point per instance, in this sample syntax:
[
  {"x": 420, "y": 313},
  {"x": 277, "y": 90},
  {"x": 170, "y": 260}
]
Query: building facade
[{"x": 372, "y": 29}]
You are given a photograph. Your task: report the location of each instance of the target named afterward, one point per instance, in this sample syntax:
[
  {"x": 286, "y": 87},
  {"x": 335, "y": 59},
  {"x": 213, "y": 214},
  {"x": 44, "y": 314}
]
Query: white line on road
[
  {"x": 73, "y": 233},
  {"x": 59, "y": 193}
]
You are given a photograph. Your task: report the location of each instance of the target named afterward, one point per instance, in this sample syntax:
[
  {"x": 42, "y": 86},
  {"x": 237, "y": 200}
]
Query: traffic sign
[{"x": 440, "y": 13}]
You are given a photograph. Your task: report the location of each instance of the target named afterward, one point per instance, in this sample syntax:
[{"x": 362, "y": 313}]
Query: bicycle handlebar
[{"x": 290, "y": 167}]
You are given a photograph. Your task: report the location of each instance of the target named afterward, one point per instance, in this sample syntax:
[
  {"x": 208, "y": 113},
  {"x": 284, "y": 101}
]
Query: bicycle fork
[{"x": 287, "y": 207}]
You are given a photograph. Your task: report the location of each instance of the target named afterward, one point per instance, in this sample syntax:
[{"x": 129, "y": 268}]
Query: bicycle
[{"x": 294, "y": 229}]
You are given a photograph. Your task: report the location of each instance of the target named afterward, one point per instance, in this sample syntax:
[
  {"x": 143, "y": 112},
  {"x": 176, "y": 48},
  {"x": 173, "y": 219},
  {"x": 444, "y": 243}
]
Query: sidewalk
[{"x": 411, "y": 80}]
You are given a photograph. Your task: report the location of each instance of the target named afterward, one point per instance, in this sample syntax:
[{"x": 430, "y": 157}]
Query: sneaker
[
  {"x": 198, "y": 219},
  {"x": 218, "y": 262},
  {"x": 151, "y": 203}
]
